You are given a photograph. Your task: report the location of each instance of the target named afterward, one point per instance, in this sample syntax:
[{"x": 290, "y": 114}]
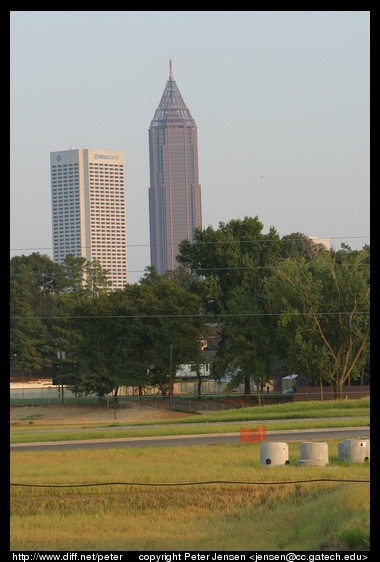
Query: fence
[
  {"x": 327, "y": 392},
  {"x": 42, "y": 394},
  {"x": 52, "y": 396}
]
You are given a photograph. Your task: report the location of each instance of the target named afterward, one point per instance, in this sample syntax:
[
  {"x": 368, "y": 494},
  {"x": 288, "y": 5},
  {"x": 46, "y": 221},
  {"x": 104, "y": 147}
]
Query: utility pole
[
  {"x": 171, "y": 370},
  {"x": 61, "y": 355}
]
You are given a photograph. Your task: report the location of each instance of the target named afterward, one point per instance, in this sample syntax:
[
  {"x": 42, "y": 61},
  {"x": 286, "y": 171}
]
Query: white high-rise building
[
  {"x": 88, "y": 209},
  {"x": 326, "y": 242}
]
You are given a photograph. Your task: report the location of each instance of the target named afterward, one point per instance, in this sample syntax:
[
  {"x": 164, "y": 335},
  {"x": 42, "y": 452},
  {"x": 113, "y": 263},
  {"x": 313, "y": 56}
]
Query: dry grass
[
  {"x": 141, "y": 500},
  {"x": 87, "y": 415}
]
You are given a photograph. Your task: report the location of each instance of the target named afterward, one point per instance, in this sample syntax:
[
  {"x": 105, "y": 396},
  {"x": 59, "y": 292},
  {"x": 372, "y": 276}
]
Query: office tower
[
  {"x": 174, "y": 192},
  {"x": 326, "y": 242},
  {"x": 88, "y": 209}
]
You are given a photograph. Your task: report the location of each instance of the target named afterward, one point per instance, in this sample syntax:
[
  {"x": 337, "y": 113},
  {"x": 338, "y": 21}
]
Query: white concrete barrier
[
  {"x": 274, "y": 454},
  {"x": 313, "y": 454},
  {"x": 354, "y": 450}
]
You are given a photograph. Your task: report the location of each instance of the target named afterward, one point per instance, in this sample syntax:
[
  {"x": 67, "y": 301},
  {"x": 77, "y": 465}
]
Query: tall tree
[
  {"x": 173, "y": 323},
  {"x": 35, "y": 281},
  {"x": 324, "y": 314},
  {"x": 75, "y": 273},
  {"x": 96, "y": 279},
  {"x": 235, "y": 259}
]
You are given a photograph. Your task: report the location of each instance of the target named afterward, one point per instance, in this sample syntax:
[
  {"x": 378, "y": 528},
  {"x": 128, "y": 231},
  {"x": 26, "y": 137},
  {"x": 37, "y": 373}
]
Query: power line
[
  {"x": 216, "y": 269},
  {"x": 218, "y": 315},
  {"x": 216, "y": 242}
]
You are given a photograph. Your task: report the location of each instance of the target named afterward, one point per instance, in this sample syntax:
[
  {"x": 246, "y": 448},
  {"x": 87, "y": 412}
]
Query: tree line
[{"x": 273, "y": 299}]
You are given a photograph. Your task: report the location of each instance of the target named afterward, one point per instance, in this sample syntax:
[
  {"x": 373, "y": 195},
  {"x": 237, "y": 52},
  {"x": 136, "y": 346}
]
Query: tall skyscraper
[
  {"x": 174, "y": 192},
  {"x": 88, "y": 209}
]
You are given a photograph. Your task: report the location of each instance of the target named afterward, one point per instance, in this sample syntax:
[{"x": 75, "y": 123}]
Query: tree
[
  {"x": 75, "y": 273},
  {"x": 207, "y": 290},
  {"x": 232, "y": 255},
  {"x": 235, "y": 260},
  {"x": 324, "y": 314},
  {"x": 244, "y": 350},
  {"x": 99, "y": 325},
  {"x": 297, "y": 244},
  {"x": 35, "y": 281},
  {"x": 126, "y": 336},
  {"x": 96, "y": 278},
  {"x": 172, "y": 325}
]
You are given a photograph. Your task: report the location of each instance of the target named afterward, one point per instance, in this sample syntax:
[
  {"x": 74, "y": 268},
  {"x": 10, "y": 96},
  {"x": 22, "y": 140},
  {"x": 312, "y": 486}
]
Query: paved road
[{"x": 194, "y": 440}]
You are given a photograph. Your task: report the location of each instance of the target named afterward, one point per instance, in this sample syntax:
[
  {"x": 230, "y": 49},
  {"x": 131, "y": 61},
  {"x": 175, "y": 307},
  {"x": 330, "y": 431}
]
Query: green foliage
[
  {"x": 324, "y": 324},
  {"x": 288, "y": 301},
  {"x": 34, "y": 283},
  {"x": 232, "y": 255},
  {"x": 235, "y": 258},
  {"x": 126, "y": 335},
  {"x": 357, "y": 538}
]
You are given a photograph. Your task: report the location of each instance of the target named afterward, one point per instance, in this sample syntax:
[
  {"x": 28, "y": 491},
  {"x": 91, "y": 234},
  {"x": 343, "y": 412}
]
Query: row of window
[
  {"x": 108, "y": 184},
  {"x": 107, "y": 173},
  {"x": 97, "y": 216}
]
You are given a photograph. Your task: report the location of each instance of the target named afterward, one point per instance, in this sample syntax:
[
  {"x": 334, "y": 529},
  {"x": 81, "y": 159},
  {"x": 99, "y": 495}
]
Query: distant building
[
  {"x": 88, "y": 209},
  {"x": 174, "y": 192},
  {"x": 325, "y": 241}
]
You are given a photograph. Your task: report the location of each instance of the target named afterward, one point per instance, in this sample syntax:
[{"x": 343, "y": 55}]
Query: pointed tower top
[{"x": 172, "y": 109}]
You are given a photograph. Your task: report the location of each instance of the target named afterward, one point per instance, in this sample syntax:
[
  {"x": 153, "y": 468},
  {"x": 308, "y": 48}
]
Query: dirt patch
[{"x": 66, "y": 415}]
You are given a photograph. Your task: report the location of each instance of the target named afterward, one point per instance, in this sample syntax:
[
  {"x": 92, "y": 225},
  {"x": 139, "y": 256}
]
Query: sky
[{"x": 281, "y": 100}]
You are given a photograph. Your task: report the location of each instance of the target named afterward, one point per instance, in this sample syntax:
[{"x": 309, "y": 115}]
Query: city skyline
[{"x": 281, "y": 101}]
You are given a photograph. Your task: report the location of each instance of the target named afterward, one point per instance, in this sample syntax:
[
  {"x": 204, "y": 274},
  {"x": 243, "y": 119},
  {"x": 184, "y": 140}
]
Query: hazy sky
[{"x": 280, "y": 99}]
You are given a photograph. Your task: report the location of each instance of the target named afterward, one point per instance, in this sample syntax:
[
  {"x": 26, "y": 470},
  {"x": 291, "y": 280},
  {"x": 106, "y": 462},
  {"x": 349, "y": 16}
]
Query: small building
[{"x": 289, "y": 383}]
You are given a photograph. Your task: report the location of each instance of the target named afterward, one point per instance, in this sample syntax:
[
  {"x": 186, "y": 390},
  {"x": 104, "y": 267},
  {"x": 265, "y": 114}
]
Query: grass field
[
  {"x": 297, "y": 415},
  {"x": 203, "y": 498}
]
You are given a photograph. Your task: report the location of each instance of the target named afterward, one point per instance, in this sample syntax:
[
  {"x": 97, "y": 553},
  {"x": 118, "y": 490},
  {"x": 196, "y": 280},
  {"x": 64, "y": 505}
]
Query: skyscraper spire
[{"x": 172, "y": 109}]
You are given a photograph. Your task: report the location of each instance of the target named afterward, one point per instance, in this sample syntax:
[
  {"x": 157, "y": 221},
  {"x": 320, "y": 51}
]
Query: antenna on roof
[{"x": 171, "y": 70}]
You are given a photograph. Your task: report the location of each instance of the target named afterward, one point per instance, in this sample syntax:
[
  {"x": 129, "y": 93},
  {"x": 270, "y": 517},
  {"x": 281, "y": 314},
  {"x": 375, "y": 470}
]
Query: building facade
[
  {"x": 174, "y": 193},
  {"x": 326, "y": 242},
  {"x": 89, "y": 209}
]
